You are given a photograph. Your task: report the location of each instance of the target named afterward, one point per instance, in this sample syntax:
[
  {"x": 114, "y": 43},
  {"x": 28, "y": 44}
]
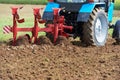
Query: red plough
[
  {"x": 58, "y": 25},
  {"x": 56, "y": 29}
]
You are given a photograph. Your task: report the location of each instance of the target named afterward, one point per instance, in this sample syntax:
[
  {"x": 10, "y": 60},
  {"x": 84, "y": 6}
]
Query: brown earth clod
[
  {"x": 61, "y": 40},
  {"x": 43, "y": 40},
  {"x": 21, "y": 40}
]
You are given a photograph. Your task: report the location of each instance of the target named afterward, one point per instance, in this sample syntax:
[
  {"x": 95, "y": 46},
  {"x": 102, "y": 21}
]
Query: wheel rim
[{"x": 101, "y": 29}]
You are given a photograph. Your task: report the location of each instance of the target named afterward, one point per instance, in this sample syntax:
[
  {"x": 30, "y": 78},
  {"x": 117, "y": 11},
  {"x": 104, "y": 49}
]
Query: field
[
  {"x": 69, "y": 60},
  {"x": 38, "y": 2},
  {"x": 24, "y": 1},
  {"x": 7, "y": 20}
]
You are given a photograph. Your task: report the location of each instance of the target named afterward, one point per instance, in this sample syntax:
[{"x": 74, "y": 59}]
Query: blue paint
[
  {"x": 50, "y": 6},
  {"x": 110, "y": 12},
  {"x": 48, "y": 12},
  {"x": 88, "y": 8}
]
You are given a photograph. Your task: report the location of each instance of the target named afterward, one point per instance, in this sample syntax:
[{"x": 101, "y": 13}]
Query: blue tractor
[{"x": 90, "y": 18}]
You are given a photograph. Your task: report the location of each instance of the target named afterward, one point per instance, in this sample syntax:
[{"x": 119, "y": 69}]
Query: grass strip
[{"x": 24, "y": 1}]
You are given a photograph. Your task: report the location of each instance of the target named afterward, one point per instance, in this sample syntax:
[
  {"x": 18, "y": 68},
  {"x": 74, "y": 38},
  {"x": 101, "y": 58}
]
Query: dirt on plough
[{"x": 63, "y": 61}]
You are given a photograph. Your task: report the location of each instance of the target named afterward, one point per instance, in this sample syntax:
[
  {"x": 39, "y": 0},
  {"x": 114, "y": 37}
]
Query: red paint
[
  {"x": 58, "y": 25},
  {"x": 50, "y": 0},
  {"x": 57, "y": 28}
]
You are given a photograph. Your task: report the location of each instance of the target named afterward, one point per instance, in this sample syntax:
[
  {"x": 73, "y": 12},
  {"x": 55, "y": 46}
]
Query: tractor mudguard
[
  {"x": 48, "y": 12},
  {"x": 86, "y": 10}
]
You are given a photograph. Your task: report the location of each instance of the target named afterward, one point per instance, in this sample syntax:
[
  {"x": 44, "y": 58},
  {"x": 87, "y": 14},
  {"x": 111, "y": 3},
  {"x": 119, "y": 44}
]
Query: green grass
[
  {"x": 29, "y": 22},
  {"x": 24, "y": 1},
  {"x": 117, "y": 4}
]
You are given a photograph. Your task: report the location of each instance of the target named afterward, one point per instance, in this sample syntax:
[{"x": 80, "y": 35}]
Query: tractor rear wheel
[
  {"x": 116, "y": 32},
  {"x": 96, "y": 29}
]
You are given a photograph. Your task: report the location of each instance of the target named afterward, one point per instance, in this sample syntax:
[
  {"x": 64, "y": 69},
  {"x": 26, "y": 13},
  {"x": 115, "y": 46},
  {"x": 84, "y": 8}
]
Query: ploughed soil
[{"x": 68, "y": 60}]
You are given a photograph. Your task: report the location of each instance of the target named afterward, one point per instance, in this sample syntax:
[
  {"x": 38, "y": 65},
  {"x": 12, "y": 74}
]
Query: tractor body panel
[
  {"x": 110, "y": 12},
  {"x": 48, "y": 13},
  {"x": 82, "y": 10},
  {"x": 50, "y": 6},
  {"x": 86, "y": 10}
]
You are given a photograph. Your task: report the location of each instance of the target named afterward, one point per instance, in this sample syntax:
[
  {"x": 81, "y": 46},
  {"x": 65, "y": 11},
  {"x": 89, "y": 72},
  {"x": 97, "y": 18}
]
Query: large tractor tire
[
  {"x": 116, "y": 32},
  {"x": 96, "y": 29}
]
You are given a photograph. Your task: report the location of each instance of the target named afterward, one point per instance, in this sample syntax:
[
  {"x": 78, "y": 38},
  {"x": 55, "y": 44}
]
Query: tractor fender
[
  {"x": 48, "y": 12},
  {"x": 86, "y": 10}
]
